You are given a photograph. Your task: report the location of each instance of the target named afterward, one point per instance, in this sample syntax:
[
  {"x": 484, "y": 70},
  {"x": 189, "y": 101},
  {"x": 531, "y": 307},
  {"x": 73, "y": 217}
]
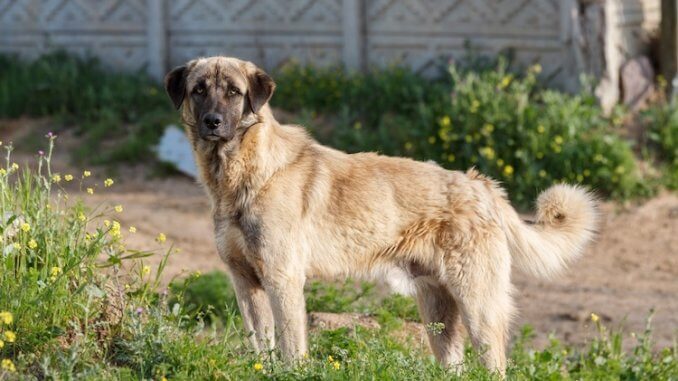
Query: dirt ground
[{"x": 630, "y": 270}]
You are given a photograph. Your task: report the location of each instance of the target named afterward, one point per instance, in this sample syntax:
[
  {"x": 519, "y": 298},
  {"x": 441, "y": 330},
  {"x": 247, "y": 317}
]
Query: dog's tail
[{"x": 566, "y": 221}]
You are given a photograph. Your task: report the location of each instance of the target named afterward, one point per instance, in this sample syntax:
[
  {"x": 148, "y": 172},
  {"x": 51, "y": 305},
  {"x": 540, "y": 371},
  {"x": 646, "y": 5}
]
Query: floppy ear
[
  {"x": 175, "y": 85},
  {"x": 260, "y": 89}
]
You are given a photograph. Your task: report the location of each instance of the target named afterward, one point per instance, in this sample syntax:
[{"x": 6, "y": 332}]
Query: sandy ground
[{"x": 631, "y": 269}]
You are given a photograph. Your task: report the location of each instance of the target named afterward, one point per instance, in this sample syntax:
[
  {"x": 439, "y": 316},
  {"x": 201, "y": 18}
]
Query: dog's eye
[
  {"x": 199, "y": 90},
  {"x": 232, "y": 92}
]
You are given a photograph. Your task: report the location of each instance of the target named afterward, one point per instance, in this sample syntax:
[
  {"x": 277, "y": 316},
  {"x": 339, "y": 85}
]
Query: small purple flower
[
  {"x": 50, "y": 135},
  {"x": 41, "y": 153},
  {"x": 140, "y": 310}
]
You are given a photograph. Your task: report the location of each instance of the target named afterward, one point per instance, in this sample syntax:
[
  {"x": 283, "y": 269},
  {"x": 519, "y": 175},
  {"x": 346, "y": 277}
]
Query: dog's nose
[{"x": 212, "y": 120}]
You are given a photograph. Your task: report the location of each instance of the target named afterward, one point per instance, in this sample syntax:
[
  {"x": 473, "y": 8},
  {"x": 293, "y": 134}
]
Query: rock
[
  {"x": 174, "y": 148},
  {"x": 330, "y": 321},
  {"x": 637, "y": 81}
]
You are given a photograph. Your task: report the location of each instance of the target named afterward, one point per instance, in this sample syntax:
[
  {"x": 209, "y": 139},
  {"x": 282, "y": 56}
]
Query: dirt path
[{"x": 630, "y": 270}]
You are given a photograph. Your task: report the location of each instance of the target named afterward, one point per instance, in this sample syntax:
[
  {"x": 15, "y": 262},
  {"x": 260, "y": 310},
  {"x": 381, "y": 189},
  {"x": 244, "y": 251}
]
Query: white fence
[{"x": 157, "y": 34}]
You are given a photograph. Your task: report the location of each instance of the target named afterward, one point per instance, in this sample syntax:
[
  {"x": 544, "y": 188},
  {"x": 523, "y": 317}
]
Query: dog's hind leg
[
  {"x": 436, "y": 306},
  {"x": 482, "y": 289},
  {"x": 253, "y": 302}
]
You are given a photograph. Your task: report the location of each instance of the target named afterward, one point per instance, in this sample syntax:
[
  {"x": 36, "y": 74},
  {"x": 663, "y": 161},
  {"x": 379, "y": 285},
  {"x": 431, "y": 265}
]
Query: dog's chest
[{"x": 249, "y": 226}]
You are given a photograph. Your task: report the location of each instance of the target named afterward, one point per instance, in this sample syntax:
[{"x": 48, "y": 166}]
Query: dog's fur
[{"x": 286, "y": 208}]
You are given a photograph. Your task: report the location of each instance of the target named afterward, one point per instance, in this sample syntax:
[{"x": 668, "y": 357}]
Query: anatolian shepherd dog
[{"x": 286, "y": 208}]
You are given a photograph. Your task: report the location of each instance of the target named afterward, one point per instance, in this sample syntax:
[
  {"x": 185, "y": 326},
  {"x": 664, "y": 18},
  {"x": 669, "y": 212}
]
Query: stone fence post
[{"x": 156, "y": 35}]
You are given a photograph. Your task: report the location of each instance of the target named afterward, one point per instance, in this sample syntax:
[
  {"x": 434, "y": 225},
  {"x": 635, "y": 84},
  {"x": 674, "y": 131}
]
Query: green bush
[
  {"x": 502, "y": 123},
  {"x": 662, "y": 125},
  {"x": 106, "y": 107}
]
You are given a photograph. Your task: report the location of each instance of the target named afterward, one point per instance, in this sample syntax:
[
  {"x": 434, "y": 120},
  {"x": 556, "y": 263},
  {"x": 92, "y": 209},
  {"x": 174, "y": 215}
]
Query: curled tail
[{"x": 566, "y": 221}]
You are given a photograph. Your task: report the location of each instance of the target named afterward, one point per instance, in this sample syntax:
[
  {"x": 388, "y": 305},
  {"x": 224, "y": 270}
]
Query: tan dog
[{"x": 286, "y": 208}]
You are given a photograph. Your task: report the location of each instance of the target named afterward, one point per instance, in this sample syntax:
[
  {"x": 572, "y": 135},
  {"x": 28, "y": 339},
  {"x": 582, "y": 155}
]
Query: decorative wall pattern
[
  {"x": 113, "y": 30},
  {"x": 422, "y": 34}
]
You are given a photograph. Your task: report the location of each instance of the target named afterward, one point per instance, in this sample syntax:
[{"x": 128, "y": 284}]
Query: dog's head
[{"x": 220, "y": 95}]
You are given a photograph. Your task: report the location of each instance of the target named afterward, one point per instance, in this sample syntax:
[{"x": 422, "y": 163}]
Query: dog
[{"x": 287, "y": 208}]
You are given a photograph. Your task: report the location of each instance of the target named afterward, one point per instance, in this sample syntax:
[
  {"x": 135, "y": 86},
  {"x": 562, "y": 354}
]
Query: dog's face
[{"x": 220, "y": 94}]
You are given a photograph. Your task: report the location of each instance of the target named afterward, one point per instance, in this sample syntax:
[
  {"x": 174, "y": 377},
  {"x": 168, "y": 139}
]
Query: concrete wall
[{"x": 155, "y": 35}]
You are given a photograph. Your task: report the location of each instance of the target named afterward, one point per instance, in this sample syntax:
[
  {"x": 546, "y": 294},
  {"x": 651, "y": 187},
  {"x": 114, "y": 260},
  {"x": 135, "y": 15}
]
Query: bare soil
[{"x": 631, "y": 269}]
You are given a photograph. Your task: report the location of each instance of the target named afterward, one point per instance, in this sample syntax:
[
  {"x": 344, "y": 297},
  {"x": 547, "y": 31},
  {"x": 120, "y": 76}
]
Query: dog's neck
[{"x": 234, "y": 172}]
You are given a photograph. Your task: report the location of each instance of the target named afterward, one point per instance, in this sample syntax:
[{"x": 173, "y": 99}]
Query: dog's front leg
[
  {"x": 253, "y": 302},
  {"x": 285, "y": 288}
]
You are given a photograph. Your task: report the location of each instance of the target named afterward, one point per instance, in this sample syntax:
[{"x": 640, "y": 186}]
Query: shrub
[
  {"x": 500, "y": 122},
  {"x": 662, "y": 125}
]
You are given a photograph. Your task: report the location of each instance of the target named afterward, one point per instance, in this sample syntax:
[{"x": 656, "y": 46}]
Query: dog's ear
[
  {"x": 175, "y": 85},
  {"x": 260, "y": 89}
]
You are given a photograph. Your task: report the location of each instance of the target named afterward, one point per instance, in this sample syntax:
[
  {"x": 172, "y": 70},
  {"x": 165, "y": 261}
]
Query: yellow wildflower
[
  {"x": 500, "y": 163},
  {"x": 90, "y": 191},
  {"x": 508, "y": 170},
  {"x": 107, "y": 223},
  {"x": 68, "y": 177},
  {"x": 10, "y": 337},
  {"x": 536, "y": 68},
  {"x": 54, "y": 273},
  {"x": 161, "y": 238},
  {"x": 488, "y": 152},
  {"x": 336, "y": 365},
  {"x": 542, "y": 173},
  {"x": 540, "y": 129},
  {"x": 8, "y": 365},
  {"x": 17, "y": 246},
  {"x": 3, "y": 171},
  {"x": 56, "y": 178},
  {"x": 487, "y": 129},
  {"x": 620, "y": 169},
  {"x": 25, "y": 227},
  {"x": 82, "y": 217},
  {"x": 505, "y": 82},
  {"x": 580, "y": 178},
  {"x": 445, "y": 121},
  {"x": 15, "y": 166},
  {"x": 108, "y": 182},
  {"x": 86, "y": 174},
  {"x": 258, "y": 366},
  {"x": 558, "y": 139},
  {"x": 474, "y": 106},
  {"x": 408, "y": 146},
  {"x": 6, "y": 317},
  {"x": 132, "y": 229},
  {"x": 145, "y": 270},
  {"x": 450, "y": 158},
  {"x": 118, "y": 208},
  {"x": 594, "y": 318},
  {"x": 330, "y": 358},
  {"x": 32, "y": 244},
  {"x": 2, "y": 344}
]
